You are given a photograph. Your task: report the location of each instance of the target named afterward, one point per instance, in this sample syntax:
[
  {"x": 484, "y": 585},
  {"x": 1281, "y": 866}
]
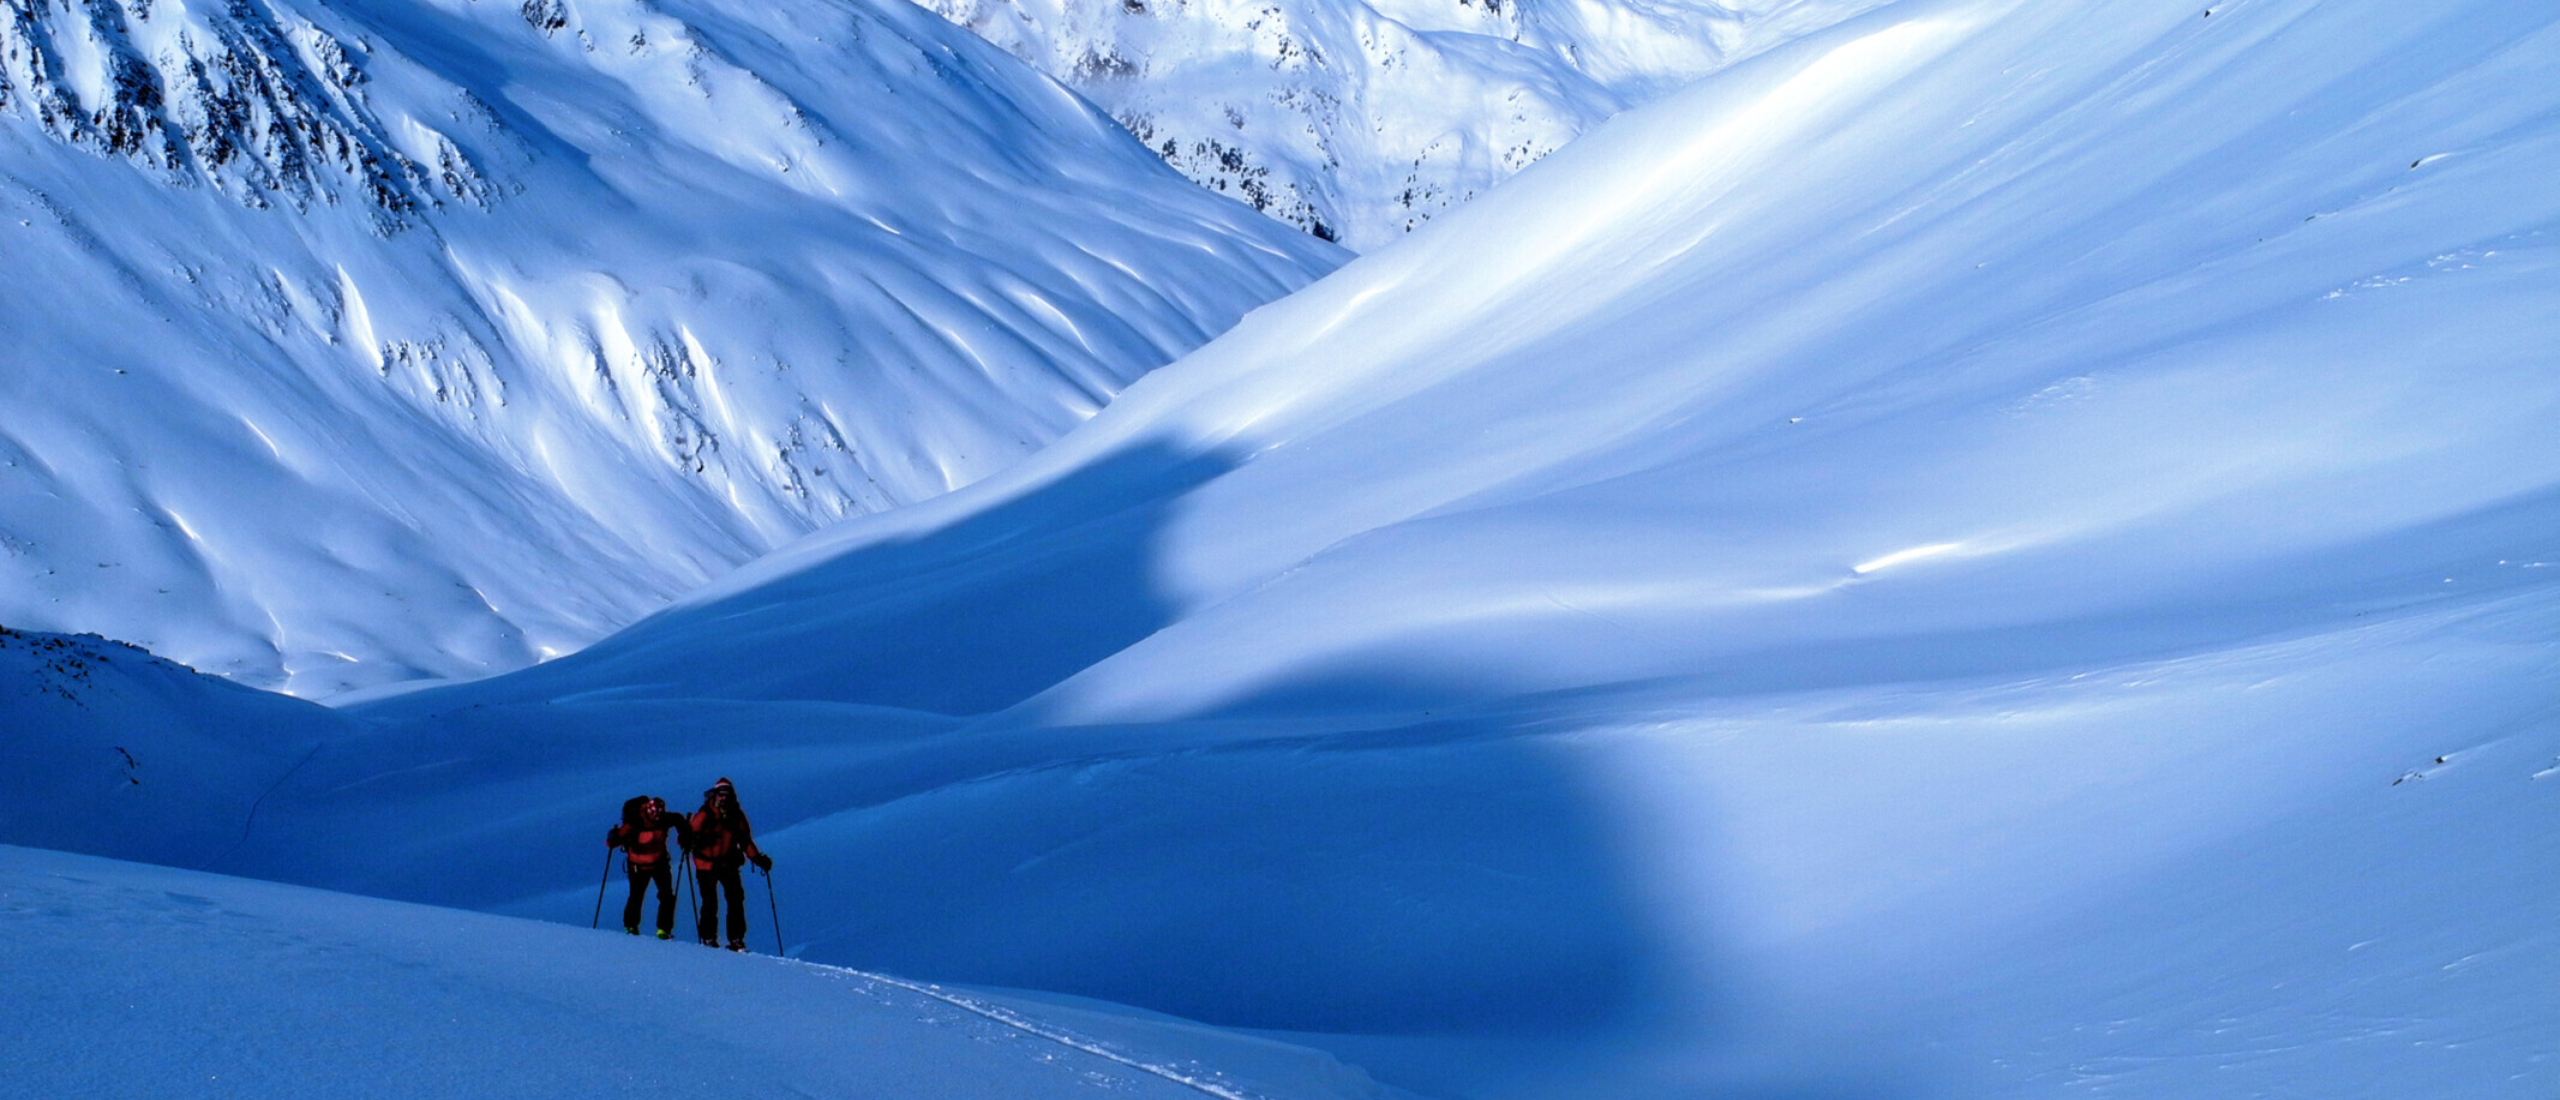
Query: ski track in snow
[
  {"x": 1036, "y": 1029},
  {"x": 395, "y": 1000},
  {"x": 249, "y": 821}
]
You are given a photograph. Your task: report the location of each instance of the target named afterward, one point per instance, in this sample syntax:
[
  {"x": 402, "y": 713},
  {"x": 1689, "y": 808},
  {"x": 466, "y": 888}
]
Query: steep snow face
[
  {"x": 349, "y": 346},
  {"x": 1358, "y": 121},
  {"x": 262, "y": 104}
]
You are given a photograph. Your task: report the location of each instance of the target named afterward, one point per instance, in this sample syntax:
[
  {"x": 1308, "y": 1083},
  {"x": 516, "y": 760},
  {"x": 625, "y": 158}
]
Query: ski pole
[
  {"x": 692, "y": 902},
  {"x": 598, "y": 920},
  {"x": 774, "y": 910}
]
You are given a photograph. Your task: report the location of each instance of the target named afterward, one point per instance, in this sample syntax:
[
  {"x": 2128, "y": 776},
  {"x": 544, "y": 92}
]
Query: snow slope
[
  {"x": 1358, "y": 121},
  {"x": 128, "y": 980},
  {"x": 356, "y": 345},
  {"x": 2165, "y": 342},
  {"x": 1999, "y": 550}
]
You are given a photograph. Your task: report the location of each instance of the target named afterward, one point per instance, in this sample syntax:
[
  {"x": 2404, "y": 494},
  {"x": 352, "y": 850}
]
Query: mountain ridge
[{"x": 456, "y": 297}]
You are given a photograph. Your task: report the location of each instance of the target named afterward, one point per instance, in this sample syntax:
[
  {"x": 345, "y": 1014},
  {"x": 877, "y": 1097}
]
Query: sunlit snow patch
[{"x": 1900, "y": 556}]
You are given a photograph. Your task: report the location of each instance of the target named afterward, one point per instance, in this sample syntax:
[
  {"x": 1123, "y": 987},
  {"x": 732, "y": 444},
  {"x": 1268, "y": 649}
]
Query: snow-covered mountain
[
  {"x": 1358, "y": 121},
  {"x": 1999, "y": 549},
  {"x": 350, "y": 345}
]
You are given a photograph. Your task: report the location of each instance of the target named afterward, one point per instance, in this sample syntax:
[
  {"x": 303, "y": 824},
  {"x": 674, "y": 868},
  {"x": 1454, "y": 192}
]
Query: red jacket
[
  {"x": 644, "y": 845},
  {"x": 719, "y": 840}
]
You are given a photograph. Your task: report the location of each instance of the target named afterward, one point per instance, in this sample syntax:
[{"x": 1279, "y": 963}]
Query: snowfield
[
  {"x": 1996, "y": 550},
  {"x": 214, "y": 986},
  {"x": 357, "y": 345}
]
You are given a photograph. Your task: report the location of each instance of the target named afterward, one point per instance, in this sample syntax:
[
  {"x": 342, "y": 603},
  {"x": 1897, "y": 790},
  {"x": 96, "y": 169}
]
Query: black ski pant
[
  {"x": 711, "y": 883},
  {"x": 662, "y": 874}
]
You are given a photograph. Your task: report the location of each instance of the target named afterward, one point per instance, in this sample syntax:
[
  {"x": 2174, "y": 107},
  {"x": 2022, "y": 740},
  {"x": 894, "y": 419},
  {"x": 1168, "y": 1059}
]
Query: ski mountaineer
[
  {"x": 720, "y": 841},
  {"x": 642, "y": 836}
]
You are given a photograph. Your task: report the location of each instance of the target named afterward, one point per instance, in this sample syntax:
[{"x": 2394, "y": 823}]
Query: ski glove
[{"x": 763, "y": 862}]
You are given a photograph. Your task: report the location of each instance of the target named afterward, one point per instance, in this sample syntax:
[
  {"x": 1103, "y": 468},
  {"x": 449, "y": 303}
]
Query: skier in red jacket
[
  {"x": 720, "y": 841},
  {"x": 642, "y": 836}
]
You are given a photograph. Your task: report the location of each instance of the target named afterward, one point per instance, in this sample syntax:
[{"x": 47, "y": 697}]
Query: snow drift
[{"x": 431, "y": 339}]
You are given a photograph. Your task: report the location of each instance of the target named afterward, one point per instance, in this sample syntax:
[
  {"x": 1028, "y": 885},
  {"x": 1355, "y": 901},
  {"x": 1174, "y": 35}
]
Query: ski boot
[
  {"x": 632, "y": 929},
  {"x": 665, "y": 935},
  {"x": 739, "y": 946}
]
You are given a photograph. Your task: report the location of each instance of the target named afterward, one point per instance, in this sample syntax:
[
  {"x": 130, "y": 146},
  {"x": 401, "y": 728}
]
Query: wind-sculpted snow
[
  {"x": 1999, "y": 550},
  {"x": 1359, "y": 121},
  {"x": 1803, "y": 362},
  {"x": 350, "y": 346}
]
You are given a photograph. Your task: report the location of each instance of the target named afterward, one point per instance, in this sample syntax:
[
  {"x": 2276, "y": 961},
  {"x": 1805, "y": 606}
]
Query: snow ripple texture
[{"x": 351, "y": 346}]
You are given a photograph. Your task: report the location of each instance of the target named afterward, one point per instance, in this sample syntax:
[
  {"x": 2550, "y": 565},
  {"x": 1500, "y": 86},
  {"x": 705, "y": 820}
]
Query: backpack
[{"x": 644, "y": 846}]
